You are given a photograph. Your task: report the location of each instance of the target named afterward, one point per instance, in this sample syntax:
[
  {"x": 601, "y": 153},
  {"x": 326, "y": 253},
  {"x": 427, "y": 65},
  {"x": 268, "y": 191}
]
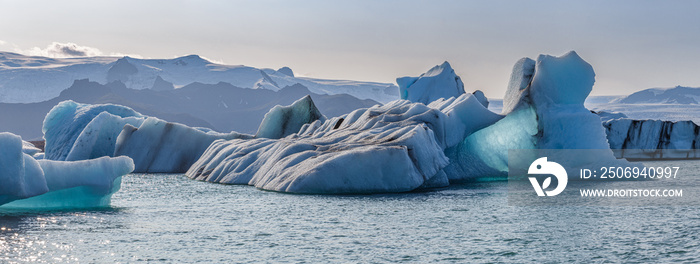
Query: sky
[{"x": 632, "y": 45}]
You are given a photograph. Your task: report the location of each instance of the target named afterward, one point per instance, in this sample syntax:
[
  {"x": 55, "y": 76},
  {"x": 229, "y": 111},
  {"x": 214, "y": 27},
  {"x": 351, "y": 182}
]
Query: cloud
[
  {"x": 2, "y": 42},
  {"x": 64, "y": 50},
  {"x": 68, "y": 50}
]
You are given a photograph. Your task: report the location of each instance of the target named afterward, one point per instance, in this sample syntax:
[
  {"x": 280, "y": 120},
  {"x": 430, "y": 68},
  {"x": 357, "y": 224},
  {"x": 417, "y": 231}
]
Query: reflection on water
[
  {"x": 29, "y": 236},
  {"x": 170, "y": 218}
]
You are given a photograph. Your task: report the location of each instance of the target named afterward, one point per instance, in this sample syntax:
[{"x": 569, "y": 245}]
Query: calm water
[{"x": 169, "y": 218}]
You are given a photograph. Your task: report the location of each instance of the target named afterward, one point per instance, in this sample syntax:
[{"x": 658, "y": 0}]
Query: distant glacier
[{"x": 27, "y": 79}]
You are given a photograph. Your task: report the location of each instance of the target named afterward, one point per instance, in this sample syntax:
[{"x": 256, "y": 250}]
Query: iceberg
[
  {"x": 438, "y": 82},
  {"x": 66, "y": 121},
  {"x": 282, "y": 121},
  {"x": 653, "y": 139},
  {"x": 157, "y": 146},
  {"x": 46, "y": 184},
  {"x": 82, "y": 132},
  {"x": 426, "y": 141},
  {"x": 395, "y": 147},
  {"x": 99, "y": 137},
  {"x": 20, "y": 174},
  {"x": 544, "y": 110},
  {"x": 78, "y": 184}
]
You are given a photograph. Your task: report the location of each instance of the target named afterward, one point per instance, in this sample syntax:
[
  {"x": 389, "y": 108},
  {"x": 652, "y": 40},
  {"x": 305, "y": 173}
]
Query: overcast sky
[{"x": 632, "y": 45}]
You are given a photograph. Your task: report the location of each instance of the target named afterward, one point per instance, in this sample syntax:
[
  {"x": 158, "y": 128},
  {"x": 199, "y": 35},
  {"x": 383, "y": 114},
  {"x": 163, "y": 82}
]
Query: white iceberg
[
  {"x": 438, "y": 82},
  {"x": 45, "y": 184},
  {"x": 282, "y": 121},
  {"x": 396, "y": 147},
  {"x": 544, "y": 110},
  {"x": 65, "y": 123},
  {"x": 99, "y": 137},
  {"x": 425, "y": 146},
  {"x": 160, "y": 146},
  {"x": 82, "y": 132},
  {"x": 20, "y": 174},
  {"x": 653, "y": 139}
]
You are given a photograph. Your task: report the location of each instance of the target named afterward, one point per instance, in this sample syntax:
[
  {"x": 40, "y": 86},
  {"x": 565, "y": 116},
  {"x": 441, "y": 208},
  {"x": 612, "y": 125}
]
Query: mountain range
[
  {"x": 221, "y": 106},
  {"x": 675, "y": 95},
  {"x": 30, "y": 79}
]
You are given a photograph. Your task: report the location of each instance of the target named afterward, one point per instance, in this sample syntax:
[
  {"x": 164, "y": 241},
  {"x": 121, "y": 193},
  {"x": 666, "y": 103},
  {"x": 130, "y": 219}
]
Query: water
[{"x": 169, "y": 218}]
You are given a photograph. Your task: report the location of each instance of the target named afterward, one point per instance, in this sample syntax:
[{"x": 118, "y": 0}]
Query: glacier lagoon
[
  {"x": 170, "y": 218},
  {"x": 161, "y": 216}
]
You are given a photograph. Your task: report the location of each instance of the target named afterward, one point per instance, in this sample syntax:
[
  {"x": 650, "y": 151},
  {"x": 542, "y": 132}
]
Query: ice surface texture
[
  {"x": 160, "y": 146},
  {"x": 646, "y": 139},
  {"x": 439, "y": 82},
  {"x": 76, "y": 131},
  {"x": 391, "y": 148},
  {"x": 404, "y": 146},
  {"x": 440, "y": 134},
  {"x": 544, "y": 110},
  {"x": 20, "y": 174},
  {"x": 45, "y": 184},
  {"x": 282, "y": 121},
  {"x": 70, "y": 125}
]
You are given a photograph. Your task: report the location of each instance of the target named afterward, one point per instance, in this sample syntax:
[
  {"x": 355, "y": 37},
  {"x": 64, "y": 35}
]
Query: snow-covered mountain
[
  {"x": 26, "y": 79},
  {"x": 222, "y": 106},
  {"x": 675, "y": 95}
]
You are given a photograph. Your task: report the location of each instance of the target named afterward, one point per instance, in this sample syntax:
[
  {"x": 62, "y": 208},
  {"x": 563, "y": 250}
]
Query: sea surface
[{"x": 171, "y": 219}]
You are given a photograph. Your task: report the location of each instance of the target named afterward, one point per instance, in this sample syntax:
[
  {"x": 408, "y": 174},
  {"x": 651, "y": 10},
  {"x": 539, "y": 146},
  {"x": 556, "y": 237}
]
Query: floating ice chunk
[
  {"x": 99, "y": 137},
  {"x": 560, "y": 85},
  {"x": 468, "y": 114},
  {"x": 20, "y": 174},
  {"x": 439, "y": 82},
  {"x": 282, "y": 121},
  {"x": 652, "y": 135},
  {"x": 160, "y": 146},
  {"x": 156, "y": 146},
  {"x": 28, "y": 183},
  {"x": 565, "y": 80},
  {"x": 485, "y": 152},
  {"x": 395, "y": 147},
  {"x": 78, "y": 184},
  {"x": 544, "y": 107},
  {"x": 65, "y": 122}
]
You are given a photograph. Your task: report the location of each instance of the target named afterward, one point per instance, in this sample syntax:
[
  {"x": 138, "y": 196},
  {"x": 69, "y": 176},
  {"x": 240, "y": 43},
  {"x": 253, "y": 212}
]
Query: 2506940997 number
[{"x": 638, "y": 172}]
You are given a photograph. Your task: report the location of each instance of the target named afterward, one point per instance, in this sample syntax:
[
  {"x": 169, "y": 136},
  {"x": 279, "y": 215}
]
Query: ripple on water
[{"x": 169, "y": 218}]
